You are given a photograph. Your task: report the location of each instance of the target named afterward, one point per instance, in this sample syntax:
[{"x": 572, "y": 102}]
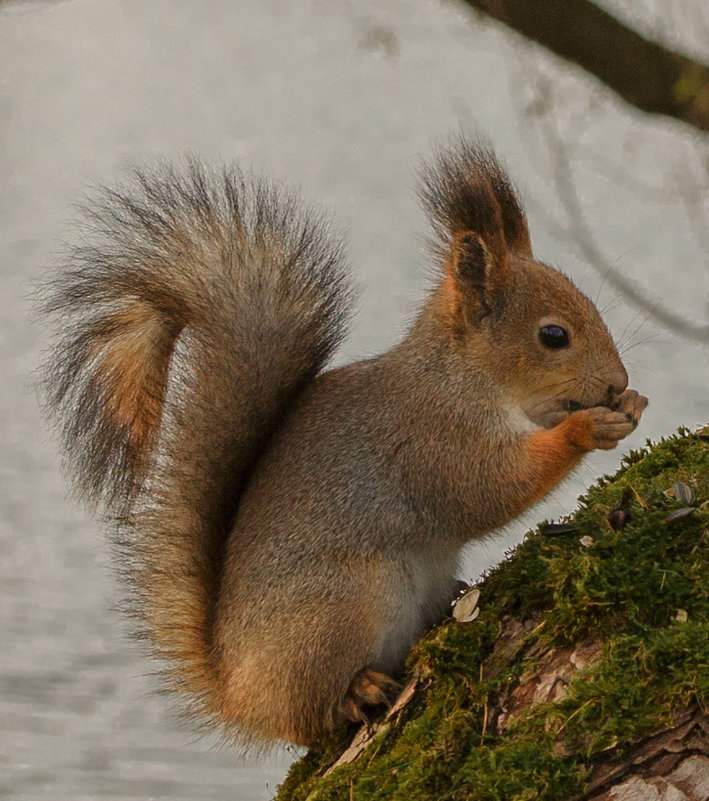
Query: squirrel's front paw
[
  {"x": 601, "y": 427},
  {"x": 607, "y": 428}
]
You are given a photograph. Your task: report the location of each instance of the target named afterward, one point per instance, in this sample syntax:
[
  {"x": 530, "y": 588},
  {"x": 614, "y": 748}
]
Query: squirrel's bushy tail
[{"x": 202, "y": 304}]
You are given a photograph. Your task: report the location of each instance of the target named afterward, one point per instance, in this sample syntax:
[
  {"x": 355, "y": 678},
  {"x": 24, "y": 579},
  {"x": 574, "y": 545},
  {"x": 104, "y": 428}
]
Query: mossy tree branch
[
  {"x": 585, "y": 676},
  {"x": 644, "y": 73}
]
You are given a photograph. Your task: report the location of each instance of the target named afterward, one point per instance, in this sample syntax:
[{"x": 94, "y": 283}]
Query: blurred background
[{"x": 611, "y": 155}]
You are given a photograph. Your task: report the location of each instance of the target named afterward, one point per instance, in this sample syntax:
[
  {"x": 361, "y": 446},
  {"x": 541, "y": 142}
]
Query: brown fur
[
  {"x": 135, "y": 376},
  {"x": 290, "y": 532}
]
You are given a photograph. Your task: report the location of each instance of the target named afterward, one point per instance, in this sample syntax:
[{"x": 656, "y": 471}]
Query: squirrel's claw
[{"x": 632, "y": 404}]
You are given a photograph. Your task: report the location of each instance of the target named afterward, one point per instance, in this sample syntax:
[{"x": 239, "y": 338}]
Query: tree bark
[{"x": 644, "y": 73}]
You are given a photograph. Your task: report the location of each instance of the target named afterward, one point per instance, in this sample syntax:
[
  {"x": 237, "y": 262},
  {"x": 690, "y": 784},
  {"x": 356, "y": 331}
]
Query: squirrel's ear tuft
[
  {"x": 464, "y": 188},
  {"x": 514, "y": 220}
]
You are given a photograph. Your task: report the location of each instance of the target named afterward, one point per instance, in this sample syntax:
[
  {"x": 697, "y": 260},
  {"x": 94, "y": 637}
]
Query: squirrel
[{"x": 288, "y": 531}]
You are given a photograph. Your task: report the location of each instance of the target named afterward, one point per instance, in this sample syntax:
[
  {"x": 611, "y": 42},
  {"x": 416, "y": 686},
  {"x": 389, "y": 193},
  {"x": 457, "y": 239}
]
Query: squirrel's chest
[{"x": 419, "y": 589}]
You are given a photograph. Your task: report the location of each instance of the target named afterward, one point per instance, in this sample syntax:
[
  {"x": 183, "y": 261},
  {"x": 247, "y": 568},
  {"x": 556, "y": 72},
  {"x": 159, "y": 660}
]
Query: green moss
[
  {"x": 641, "y": 592},
  {"x": 635, "y": 688}
]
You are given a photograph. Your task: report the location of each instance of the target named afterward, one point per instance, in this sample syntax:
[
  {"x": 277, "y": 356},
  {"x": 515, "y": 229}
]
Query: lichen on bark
[{"x": 585, "y": 676}]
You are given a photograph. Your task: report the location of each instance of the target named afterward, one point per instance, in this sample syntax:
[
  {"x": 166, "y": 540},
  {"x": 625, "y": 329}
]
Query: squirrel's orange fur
[{"x": 289, "y": 532}]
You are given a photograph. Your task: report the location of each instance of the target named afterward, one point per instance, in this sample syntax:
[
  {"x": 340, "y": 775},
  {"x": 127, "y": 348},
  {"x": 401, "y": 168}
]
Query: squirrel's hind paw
[{"x": 367, "y": 690}]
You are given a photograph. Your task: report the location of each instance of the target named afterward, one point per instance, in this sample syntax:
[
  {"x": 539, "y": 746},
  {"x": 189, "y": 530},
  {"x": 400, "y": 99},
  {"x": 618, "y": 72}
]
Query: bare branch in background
[
  {"x": 589, "y": 249},
  {"x": 644, "y": 73}
]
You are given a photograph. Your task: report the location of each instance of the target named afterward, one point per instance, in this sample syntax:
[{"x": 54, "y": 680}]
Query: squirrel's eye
[{"x": 553, "y": 336}]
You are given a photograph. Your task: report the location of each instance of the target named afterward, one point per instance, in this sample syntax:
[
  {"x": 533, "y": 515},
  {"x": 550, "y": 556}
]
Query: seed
[
  {"x": 684, "y": 493},
  {"x": 466, "y": 608},
  {"x": 557, "y": 529},
  {"x": 618, "y": 518},
  {"x": 679, "y": 514}
]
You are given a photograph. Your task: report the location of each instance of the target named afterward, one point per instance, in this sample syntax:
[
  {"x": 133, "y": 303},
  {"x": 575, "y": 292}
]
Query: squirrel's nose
[{"x": 619, "y": 382}]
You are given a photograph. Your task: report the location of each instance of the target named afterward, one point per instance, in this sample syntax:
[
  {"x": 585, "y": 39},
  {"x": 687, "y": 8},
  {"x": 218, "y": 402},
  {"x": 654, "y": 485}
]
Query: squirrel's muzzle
[{"x": 618, "y": 385}]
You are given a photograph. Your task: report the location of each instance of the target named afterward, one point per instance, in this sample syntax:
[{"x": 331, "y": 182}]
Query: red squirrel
[{"x": 289, "y": 531}]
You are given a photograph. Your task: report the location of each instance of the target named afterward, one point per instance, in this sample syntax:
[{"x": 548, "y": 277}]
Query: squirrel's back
[{"x": 203, "y": 304}]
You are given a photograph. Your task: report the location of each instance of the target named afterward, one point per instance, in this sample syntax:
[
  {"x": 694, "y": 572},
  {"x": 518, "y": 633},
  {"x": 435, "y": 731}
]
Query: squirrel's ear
[
  {"x": 471, "y": 261},
  {"x": 477, "y": 273}
]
